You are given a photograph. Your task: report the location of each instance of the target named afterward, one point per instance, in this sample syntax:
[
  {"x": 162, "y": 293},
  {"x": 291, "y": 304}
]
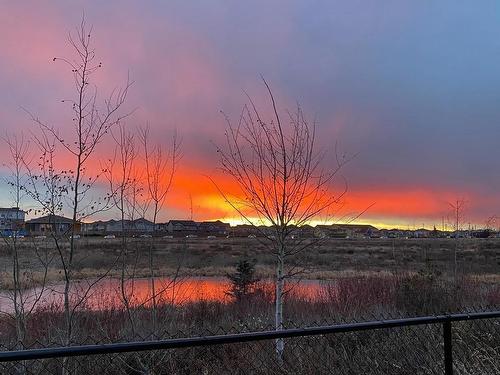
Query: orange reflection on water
[
  {"x": 107, "y": 294},
  {"x": 179, "y": 292}
]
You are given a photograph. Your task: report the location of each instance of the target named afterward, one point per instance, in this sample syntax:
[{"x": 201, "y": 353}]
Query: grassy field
[
  {"x": 375, "y": 279},
  {"x": 215, "y": 257}
]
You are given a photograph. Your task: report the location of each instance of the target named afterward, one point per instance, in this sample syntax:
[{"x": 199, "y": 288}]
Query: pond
[{"x": 108, "y": 293}]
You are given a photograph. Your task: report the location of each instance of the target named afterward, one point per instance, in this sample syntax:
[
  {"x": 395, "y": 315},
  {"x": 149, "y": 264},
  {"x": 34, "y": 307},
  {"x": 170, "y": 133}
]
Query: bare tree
[
  {"x": 457, "y": 215},
  {"x": 122, "y": 185},
  {"x": 25, "y": 297},
  {"x": 18, "y": 150},
  {"x": 161, "y": 166},
  {"x": 278, "y": 170},
  {"x": 91, "y": 122},
  {"x": 135, "y": 193}
]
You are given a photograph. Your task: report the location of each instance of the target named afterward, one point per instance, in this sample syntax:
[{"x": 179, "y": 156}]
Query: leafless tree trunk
[
  {"x": 124, "y": 187},
  {"x": 90, "y": 123},
  {"x": 281, "y": 182},
  {"x": 120, "y": 172},
  {"x": 130, "y": 197},
  {"x": 457, "y": 212},
  {"x": 161, "y": 166},
  {"x": 18, "y": 149},
  {"x": 24, "y": 297}
]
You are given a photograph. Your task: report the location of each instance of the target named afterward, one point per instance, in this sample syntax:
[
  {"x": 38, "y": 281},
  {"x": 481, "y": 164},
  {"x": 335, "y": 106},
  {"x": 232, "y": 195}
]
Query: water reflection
[{"x": 109, "y": 293}]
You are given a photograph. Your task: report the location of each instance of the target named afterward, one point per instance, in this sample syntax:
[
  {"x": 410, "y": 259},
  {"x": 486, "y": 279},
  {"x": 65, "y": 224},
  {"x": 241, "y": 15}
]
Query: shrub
[{"x": 242, "y": 281}]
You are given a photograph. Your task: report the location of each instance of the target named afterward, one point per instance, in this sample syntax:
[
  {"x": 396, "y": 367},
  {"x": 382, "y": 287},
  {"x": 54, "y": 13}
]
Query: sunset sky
[{"x": 411, "y": 87}]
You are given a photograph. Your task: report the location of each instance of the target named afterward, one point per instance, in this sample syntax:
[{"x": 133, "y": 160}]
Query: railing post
[{"x": 448, "y": 353}]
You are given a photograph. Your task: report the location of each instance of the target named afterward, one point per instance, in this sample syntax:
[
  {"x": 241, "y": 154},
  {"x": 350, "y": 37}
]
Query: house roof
[
  {"x": 126, "y": 222},
  {"x": 142, "y": 220},
  {"x": 347, "y": 226},
  {"x": 184, "y": 222},
  {"x": 212, "y": 223},
  {"x": 50, "y": 219}
]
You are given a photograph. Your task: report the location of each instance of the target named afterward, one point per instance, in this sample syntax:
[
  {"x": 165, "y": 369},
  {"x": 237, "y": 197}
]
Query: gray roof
[
  {"x": 50, "y": 219},
  {"x": 187, "y": 222}
]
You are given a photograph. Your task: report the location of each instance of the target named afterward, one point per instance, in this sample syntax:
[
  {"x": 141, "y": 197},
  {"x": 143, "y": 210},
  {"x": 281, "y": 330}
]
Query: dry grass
[
  {"x": 413, "y": 349},
  {"x": 216, "y": 257}
]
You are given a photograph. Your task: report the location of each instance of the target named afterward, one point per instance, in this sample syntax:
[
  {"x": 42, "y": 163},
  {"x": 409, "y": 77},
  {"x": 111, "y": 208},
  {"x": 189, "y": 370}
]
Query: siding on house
[
  {"x": 11, "y": 221},
  {"x": 51, "y": 223}
]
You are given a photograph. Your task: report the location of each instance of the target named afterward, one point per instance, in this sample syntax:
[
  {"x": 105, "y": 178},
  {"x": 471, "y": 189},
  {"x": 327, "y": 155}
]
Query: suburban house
[
  {"x": 50, "y": 223},
  {"x": 393, "y": 233},
  {"x": 11, "y": 220},
  {"x": 184, "y": 227},
  {"x": 303, "y": 231},
  {"x": 422, "y": 233},
  {"x": 177, "y": 226},
  {"x": 347, "y": 231},
  {"x": 95, "y": 228},
  {"x": 137, "y": 226},
  {"x": 214, "y": 227},
  {"x": 140, "y": 225},
  {"x": 143, "y": 226},
  {"x": 245, "y": 230}
]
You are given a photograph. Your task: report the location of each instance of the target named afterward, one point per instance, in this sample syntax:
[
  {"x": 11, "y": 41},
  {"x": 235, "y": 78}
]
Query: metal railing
[{"x": 88, "y": 350}]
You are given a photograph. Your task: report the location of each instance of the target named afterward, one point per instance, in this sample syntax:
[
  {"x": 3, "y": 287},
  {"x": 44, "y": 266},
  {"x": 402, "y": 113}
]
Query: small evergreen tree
[{"x": 242, "y": 281}]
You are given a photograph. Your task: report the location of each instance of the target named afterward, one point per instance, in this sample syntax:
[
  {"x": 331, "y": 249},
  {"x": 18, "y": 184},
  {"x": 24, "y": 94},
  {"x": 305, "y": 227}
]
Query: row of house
[
  {"x": 347, "y": 231},
  {"x": 308, "y": 231},
  {"x": 360, "y": 231},
  {"x": 12, "y": 220},
  {"x": 143, "y": 226}
]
